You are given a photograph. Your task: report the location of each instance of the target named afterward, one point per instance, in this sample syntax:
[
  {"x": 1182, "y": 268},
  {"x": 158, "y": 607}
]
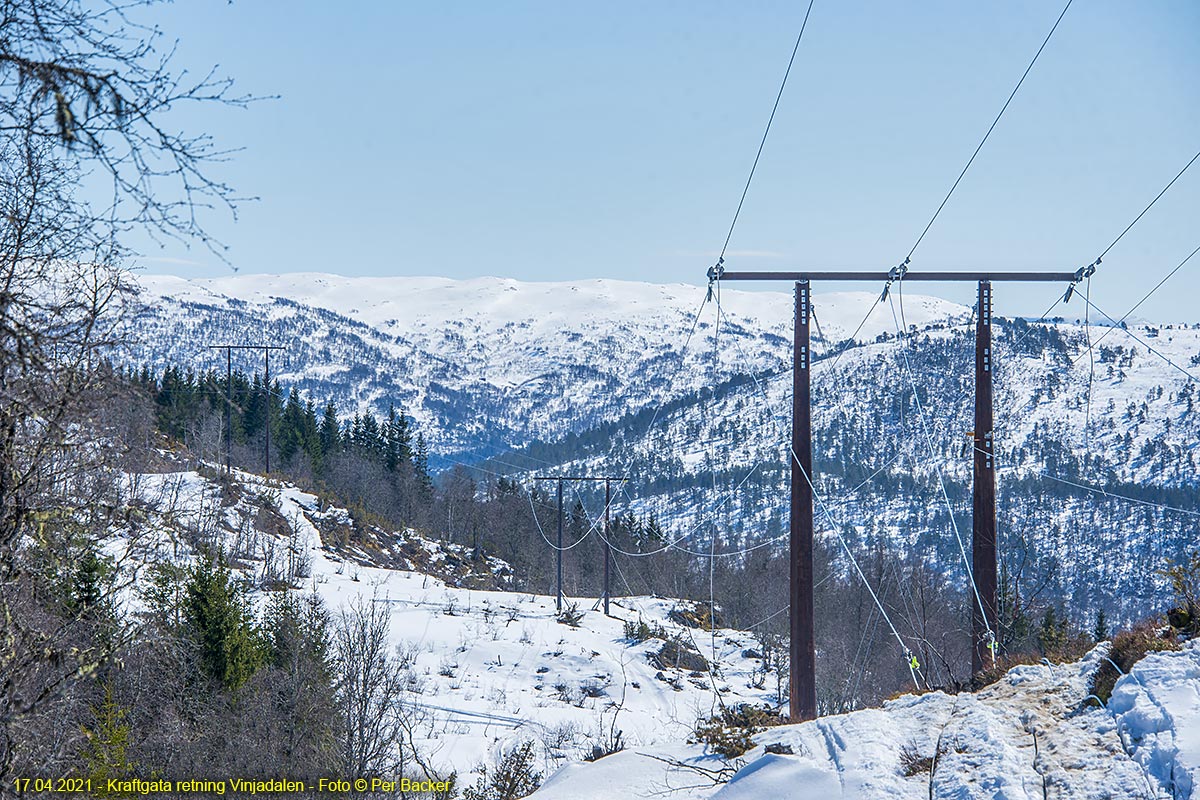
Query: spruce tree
[
  {"x": 1100, "y": 630},
  {"x": 330, "y": 431},
  {"x": 217, "y": 617},
  {"x": 104, "y": 755},
  {"x": 1053, "y": 633},
  {"x": 421, "y": 466}
]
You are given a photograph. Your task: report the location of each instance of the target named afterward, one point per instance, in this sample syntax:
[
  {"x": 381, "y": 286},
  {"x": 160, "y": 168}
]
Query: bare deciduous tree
[
  {"x": 369, "y": 690},
  {"x": 84, "y": 91}
]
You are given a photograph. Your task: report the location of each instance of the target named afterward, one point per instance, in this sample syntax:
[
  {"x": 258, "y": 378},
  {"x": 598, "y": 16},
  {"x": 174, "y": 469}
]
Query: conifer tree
[
  {"x": 1053, "y": 632},
  {"x": 104, "y": 755},
  {"x": 218, "y": 619},
  {"x": 1100, "y": 630},
  {"x": 421, "y": 465},
  {"x": 329, "y": 432}
]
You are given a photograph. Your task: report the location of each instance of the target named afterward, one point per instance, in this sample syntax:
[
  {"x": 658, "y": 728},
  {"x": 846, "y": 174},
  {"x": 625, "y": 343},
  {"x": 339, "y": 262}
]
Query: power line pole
[
  {"x": 267, "y": 422},
  {"x": 228, "y": 411},
  {"x": 229, "y": 348},
  {"x": 985, "y": 620},
  {"x": 802, "y": 655},
  {"x": 802, "y": 652},
  {"x": 607, "y": 540},
  {"x": 558, "y": 584},
  {"x": 607, "y": 547}
]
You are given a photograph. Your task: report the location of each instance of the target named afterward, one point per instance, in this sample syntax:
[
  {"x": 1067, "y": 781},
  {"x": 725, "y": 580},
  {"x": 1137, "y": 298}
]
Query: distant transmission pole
[
  {"x": 229, "y": 348},
  {"x": 608, "y": 479}
]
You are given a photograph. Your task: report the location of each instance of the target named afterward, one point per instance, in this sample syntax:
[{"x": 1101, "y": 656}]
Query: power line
[
  {"x": 898, "y": 271},
  {"x": 854, "y": 335},
  {"x": 576, "y": 543},
  {"x": 1106, "y": 493},
  {"x": 1147, "y": 208},
  {"x": 1138, "y": 304},
  {"x": 1144, "y": 343},
  {"x": 763, "y": 143},
  {"x": 1004, "y": 108},
  {"x": 933, "y": 458}
]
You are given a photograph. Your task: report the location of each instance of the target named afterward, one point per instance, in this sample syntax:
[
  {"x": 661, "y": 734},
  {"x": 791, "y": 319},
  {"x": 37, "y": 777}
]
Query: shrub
[
  {"x": 1185, "y": 582},
  {"x": 912, "y": 762},
  {"x": 731, "y": 732},
  {"x": 697, "y": 615},
  {"x": 640, "y": 631},
  {"x": 1128, "y": 648},
  {"x": 512, "y": 778},
  {"x": 571, "y": 615}
]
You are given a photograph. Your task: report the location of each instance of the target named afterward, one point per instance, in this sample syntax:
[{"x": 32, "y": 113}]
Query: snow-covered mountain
[
  {"x": 1097, "y": 456},
  {"x": 487, "y": 364}
]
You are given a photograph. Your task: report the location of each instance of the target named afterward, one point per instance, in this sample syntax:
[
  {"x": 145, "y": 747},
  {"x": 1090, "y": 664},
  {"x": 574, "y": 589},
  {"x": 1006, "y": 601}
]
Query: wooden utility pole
[
  {"x": 802, "y": 691},
  {"x": 559, "y": 590},
  {"x": 229, "y": 348},
  {"x": 607, "y": 532},
  {"x": 984, "y": 621},
  {"x": 802, "y": 652},
  {"x": 228, "y": 411},
  {"x": 607, "y": 540}
]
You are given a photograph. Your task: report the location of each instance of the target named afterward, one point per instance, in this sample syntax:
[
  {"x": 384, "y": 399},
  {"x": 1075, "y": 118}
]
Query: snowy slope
[
  {"x": 1028, "y": 736},
  {"x": 1157, "y": 707},
  {"x": 489, "y": 669},
  {"x": 485, "y": 669}
]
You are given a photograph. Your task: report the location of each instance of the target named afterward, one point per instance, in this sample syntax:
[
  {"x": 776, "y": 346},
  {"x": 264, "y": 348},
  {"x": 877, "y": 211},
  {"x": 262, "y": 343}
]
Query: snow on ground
[
  {"x": 1031, "y": 735},
  {"x": 487, "y": 669},
  {"x": 1157, "y": 708}
]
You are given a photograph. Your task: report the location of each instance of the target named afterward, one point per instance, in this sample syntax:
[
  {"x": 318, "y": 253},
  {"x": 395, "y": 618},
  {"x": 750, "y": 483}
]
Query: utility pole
[
  {"x": 607, "y": 547},
  {"x": 802, "y": 652},
  {"x": 985, "y": 620},
  {"x": 607, "y": 540},
  {"x": 267, "y": 423},
  {"x": 229, "y": 348},
  {"x": 802, "y": 688},
  {"x": 228, "y": 411},
  {"x": 559, "y": 552}
]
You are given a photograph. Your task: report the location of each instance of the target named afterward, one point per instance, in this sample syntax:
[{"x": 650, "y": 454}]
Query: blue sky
[{"x": 551, "y": 140}]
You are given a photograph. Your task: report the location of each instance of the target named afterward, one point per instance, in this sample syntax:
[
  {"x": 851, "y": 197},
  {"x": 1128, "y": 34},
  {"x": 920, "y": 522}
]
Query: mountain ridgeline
[{"x": 1096, "y": 457}]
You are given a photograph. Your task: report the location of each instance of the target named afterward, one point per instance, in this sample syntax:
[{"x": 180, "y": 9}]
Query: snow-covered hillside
[
  {"x": 483, "y": 669},
  {"x": 1097, "y": 456},
  {"x": 1030, "y": 736},
  {"x": 484, "y": 364},
  {"x": 486, "y": 670}
]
